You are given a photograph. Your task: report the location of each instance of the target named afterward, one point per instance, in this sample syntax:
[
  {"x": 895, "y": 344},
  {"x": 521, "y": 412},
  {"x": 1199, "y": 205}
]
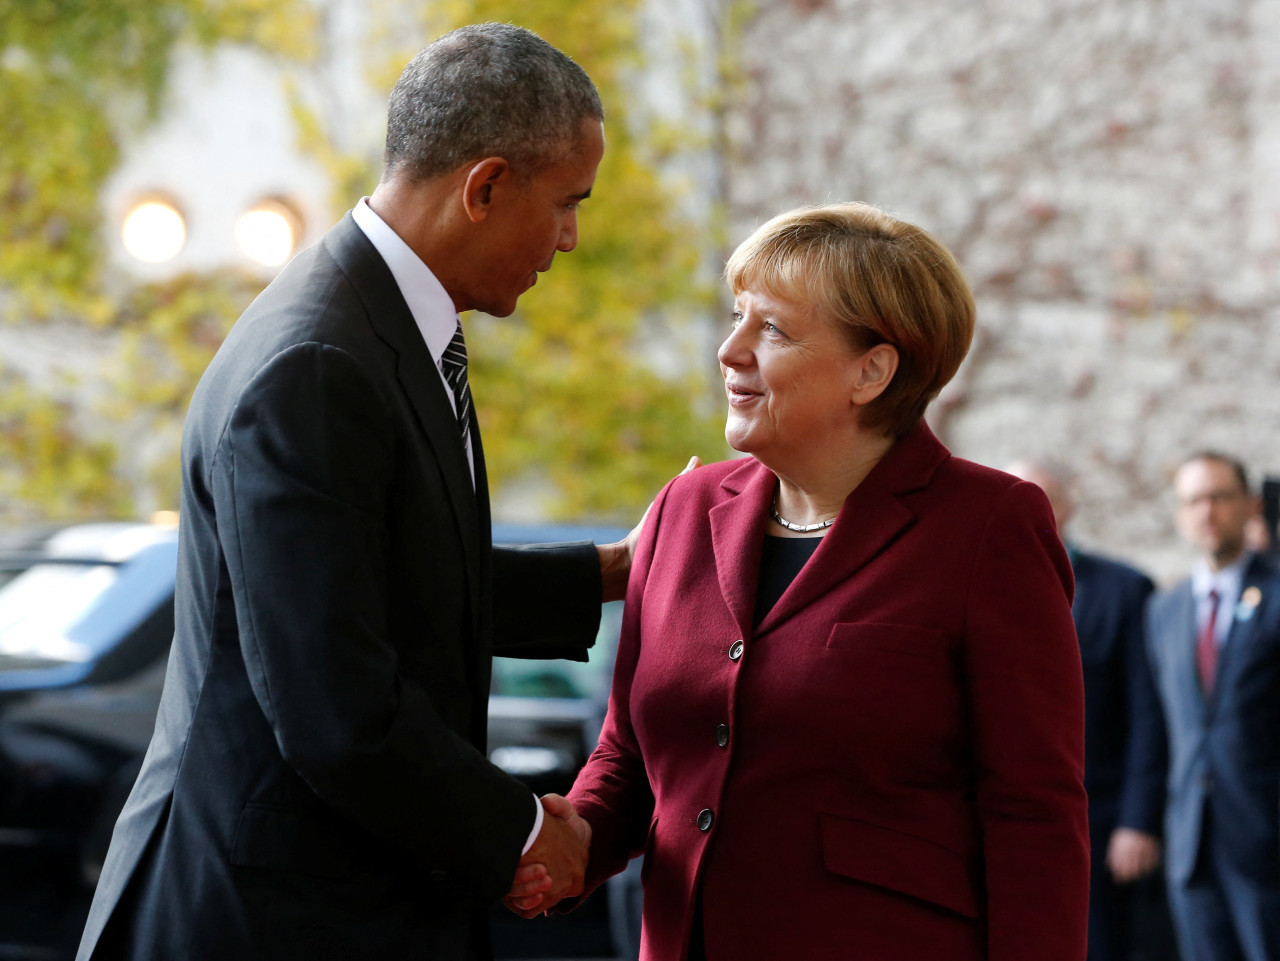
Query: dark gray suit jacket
[
  {"x": 1224, "y": 748},
  {"x": 316, "y": 786}
]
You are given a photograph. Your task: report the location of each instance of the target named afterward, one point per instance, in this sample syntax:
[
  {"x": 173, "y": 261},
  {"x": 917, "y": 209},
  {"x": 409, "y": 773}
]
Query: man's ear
[
  {"x": 876, "y": 368},
  {"x": 477, "y": 188}
]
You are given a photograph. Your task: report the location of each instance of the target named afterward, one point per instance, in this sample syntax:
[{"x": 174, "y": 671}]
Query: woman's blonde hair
[{"x": 882, "y": 281}]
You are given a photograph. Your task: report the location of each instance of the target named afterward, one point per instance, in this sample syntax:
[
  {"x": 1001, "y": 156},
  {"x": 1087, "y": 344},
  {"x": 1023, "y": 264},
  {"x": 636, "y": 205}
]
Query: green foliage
[
  {"x": 565, "y": 390},
  {"x": 570, "y": 396},
  {"x": 77, "y": 76},
  {"x": 44, "y": 462},
  {"x": 168, "y": 334}
]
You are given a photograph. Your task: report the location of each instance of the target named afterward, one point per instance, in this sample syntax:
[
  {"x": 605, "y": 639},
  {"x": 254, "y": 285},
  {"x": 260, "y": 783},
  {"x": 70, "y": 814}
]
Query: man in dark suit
[
  {"x": 1124, "y": 737},
  {"x": 317, "y": 786},
  {"x": 1214, "y": 643}
]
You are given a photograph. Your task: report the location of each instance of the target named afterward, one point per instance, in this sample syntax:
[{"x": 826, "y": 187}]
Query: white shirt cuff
[{"x": 537, "y": 826}]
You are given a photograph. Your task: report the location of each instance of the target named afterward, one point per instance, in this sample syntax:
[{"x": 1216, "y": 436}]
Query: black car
[{"x": 86, "y": 620}]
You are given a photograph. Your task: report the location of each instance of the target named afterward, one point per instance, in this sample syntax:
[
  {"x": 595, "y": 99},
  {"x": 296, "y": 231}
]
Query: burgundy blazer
[{"x": 890, "y": 767}]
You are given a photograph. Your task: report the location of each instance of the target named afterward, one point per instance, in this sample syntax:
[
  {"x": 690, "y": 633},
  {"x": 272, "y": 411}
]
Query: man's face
[
  {"x": 1213, "y": 510},
  {"x": 530, "y": 220}
]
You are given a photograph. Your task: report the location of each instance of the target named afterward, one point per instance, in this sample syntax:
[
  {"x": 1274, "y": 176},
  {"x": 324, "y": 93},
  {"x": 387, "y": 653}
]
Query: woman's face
[{"x": 790, "y": 377}]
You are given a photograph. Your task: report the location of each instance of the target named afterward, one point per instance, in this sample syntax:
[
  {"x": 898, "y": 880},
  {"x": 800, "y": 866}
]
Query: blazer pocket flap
[
  {"x": 893, "y": 638},
  {"x": 277, "y": 838},
  {"x": 898, "y": 861}
]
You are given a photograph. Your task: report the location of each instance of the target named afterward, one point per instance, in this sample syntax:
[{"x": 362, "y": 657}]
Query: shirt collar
[
  {"x": 1227, "y": 582},
  {"x": 428, "y": 301}
]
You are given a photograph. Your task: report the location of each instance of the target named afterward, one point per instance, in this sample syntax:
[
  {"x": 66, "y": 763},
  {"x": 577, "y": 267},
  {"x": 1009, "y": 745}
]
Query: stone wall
[{"x": 1109, "y": 175}]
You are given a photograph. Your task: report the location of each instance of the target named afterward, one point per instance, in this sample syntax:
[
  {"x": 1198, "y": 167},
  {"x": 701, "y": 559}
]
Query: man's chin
[{"x": 498, "y": 309}]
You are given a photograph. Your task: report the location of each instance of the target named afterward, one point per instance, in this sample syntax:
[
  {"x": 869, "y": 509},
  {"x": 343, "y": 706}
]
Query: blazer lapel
[
  {"x": 421, "y": 382},
  {"x": 871, "y": 518},
  {"x": 1182, "y": 648},
  {"x": 1243, "y": 618},
  {"x": 737, "y": 532}
]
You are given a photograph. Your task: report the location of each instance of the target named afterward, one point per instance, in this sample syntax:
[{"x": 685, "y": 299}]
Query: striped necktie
[{"x": 454, "y": 362}]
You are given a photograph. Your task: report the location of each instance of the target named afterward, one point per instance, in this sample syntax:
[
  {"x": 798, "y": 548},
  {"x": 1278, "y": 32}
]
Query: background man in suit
[
  {"x": 316, "y": 786},
  {"x": 1214, "y": 643},
  {"x": 1124, "y": 763}
]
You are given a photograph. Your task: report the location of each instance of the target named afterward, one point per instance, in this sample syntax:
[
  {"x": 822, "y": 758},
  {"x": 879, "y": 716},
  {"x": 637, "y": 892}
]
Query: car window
[
  {"x": 40, "y": 607},
  {"x": 518, "y": 677}
]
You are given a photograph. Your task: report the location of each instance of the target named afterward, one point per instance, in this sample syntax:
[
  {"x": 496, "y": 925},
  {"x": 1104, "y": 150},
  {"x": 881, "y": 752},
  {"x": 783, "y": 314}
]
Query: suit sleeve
[
  {"x": 547, "y": 600},
  {"x": 1146, "y": 757},
  {"x": 300, "y": 486},
  {"x": 1026, "y": 696}
]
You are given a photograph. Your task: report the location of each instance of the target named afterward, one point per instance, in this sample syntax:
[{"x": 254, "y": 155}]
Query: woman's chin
[{"x": 739, "y": 440}]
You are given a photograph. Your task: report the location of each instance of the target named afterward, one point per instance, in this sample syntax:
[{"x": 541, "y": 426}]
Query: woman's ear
[
  {"x": 876, "y": 368},
  {"x": 477, "y": 189}
]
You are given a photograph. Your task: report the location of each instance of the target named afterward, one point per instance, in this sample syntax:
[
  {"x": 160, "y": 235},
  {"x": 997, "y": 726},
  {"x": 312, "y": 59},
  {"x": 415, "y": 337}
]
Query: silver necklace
[{"x": 798, "y": 528}]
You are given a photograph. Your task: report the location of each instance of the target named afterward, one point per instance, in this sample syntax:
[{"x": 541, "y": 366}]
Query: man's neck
[{"x": 422, "y": 216}]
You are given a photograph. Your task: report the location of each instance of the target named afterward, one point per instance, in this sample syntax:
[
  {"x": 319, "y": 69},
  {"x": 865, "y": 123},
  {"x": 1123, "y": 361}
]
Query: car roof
[
  {"x": 556, "y": 533},
  {"x": 109, "y": 541}
]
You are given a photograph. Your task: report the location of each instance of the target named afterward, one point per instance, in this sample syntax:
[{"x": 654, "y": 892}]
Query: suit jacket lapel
[
  {"x": 1243, "y": 618},
  {"x": 1182, "y": 648},
  {"x": 421, "y": 382}
]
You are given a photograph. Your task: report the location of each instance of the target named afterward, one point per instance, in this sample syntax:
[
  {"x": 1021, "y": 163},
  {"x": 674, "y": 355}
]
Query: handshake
[{"x": 555, "y": 866}]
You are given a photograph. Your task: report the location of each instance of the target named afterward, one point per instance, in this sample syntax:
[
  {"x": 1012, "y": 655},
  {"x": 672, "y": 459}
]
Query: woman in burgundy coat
[{"x": 847, "y": 713}]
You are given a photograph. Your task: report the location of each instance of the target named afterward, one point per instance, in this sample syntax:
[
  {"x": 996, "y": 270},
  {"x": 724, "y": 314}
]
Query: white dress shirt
[
  {"x": 429, "y": 303},
  {"x": 432, "y": 310},
  {"x": 1228, "y": 582}
]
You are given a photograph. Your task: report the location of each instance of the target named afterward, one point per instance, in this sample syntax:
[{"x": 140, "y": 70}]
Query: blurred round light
[
  {"x": 154, "y": 231},
  {"x": 268, "y": 233}
]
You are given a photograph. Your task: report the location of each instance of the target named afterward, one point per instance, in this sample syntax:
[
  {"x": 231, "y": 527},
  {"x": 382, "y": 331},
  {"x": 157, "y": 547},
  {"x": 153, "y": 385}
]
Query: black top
[{"x": 781, "y": 559}]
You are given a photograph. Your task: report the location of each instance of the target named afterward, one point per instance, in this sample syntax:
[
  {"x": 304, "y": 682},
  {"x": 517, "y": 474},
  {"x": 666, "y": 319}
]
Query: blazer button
[
  {"x": 705, "y": 817},
  {"x": 735, "y": 650},
  {"x": 722, "y": 735}
]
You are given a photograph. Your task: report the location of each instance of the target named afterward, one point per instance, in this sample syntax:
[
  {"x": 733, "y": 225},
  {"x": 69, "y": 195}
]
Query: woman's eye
[{"x": 735, "y": 318}]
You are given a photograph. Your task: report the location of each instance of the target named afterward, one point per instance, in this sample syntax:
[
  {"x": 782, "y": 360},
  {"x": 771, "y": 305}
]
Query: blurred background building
[{"x": 1107, "y": 172}]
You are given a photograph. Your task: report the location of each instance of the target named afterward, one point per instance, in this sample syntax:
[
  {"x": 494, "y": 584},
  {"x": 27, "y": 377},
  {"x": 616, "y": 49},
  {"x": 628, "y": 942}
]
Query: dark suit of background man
[
  {"x": 1214, "y": 642},
  {"x": 1124, "y": 737},
  {"x": 316, "y": 786}
]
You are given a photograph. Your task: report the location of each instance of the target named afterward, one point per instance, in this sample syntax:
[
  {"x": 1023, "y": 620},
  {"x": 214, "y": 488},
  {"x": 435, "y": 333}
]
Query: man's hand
[
  {"x": 1132, "y": 854},
  {"x": 554, "y": 867},
  {"x": 615, "y": 559}
]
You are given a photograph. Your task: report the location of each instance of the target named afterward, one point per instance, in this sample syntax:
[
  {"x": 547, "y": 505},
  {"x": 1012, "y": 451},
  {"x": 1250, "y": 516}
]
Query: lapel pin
[{"x": 1249, "y": 602}]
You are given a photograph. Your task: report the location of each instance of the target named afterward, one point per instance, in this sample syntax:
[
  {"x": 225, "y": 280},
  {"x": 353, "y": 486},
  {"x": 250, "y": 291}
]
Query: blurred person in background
[
  {"x": 847, "y": 717},
  {"x": 317, "y": 785},
  {"x": 1214, "y": 646},
  {"x": 1124, "y": 753}
]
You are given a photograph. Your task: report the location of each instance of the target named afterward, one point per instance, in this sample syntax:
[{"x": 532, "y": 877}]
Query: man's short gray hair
[{"x": 487, "y": 90}]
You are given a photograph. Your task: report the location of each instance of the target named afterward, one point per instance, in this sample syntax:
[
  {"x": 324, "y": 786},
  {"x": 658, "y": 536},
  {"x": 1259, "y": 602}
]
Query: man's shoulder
[
  {"x": 1263, "y": 567},
  {"x": 1111, "y": 571},
  {"x": 1169, "y": 597}
]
